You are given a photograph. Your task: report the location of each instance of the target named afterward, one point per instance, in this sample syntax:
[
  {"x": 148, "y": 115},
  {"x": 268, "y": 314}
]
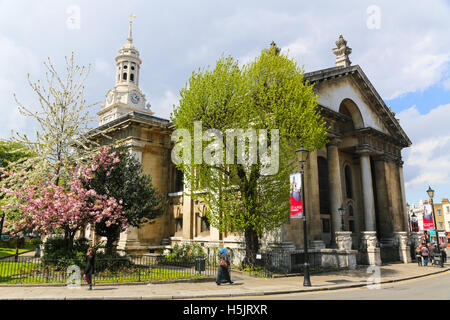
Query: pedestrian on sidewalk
[
  {"x": 425, "y": 255},
  {"x": 419, "y": 256},
  {"x": 444, "y": 254},
  {"x": 223, "y": 272},
  {"x": 431, "y": 251},
  {"x": 90, "y": 267}
]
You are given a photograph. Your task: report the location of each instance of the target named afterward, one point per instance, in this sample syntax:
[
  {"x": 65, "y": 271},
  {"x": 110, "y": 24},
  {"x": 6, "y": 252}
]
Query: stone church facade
[{"x": 359, "y": 170}]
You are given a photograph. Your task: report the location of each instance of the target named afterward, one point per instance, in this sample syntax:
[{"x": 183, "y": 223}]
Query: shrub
[
  {"x": 56, "y": 252},
  {"x": 184, "y": 253}
]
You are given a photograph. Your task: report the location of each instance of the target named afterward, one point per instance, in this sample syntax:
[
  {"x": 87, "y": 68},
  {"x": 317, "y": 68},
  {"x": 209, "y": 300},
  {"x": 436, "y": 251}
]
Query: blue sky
[{"x": 403, "y": 49}]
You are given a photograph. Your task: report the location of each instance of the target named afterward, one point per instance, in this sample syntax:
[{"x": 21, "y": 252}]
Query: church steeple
[{"x": 126, "y": 95}]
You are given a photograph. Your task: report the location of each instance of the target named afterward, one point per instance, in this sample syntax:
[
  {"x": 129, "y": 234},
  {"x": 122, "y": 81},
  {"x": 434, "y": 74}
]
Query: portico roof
[{"x": 382, "y": 110}]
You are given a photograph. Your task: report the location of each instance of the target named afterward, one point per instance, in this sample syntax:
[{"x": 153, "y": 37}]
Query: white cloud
[
  {"x": 163, "y": 106},
  {"x": 427, "y": 161}
]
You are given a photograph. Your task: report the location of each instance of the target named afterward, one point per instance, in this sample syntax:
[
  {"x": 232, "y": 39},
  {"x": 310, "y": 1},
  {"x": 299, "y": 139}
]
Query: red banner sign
[
  {"x": 296, "y": 196},
  {"x": 428, "y": 217}
]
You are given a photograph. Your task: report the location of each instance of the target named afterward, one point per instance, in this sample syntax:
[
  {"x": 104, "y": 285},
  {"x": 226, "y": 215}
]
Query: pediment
[{"x": 350, "y": 85}]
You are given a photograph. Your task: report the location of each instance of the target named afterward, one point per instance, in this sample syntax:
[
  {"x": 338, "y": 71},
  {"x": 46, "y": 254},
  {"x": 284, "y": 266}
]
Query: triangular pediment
[{"x": 337, "y": 84}]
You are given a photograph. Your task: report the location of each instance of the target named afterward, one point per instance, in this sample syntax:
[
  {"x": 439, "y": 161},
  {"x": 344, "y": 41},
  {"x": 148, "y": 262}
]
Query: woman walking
[
  {"x": 425, "y": 255},
  {"x": 223, "y": 273},
  {"x": 90, "y": 267},
  {"x": 419, "y": 256}
]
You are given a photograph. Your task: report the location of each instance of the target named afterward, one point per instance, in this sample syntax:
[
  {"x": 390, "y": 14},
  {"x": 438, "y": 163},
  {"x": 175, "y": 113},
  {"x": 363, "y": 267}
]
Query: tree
[
  {"x": 53, "y": 209},
  {"x": 115, "y": 173},
  {"x": 11, "y": 152},
  {"x": 268, "y": 97},
  {"x": 63, "y": 118}
]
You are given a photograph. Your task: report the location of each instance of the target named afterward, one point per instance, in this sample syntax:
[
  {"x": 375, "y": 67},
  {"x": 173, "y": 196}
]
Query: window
[
  {"x": 448, "y": 209},
  {"x": 350, "y": 210},
  {"x": 348, "y": 181},
  {"x": 439, "y": 212},
  {"x": 441, "y": 225},
  {"x": 125, "y": 67},
  {"x": 124, "y": 76},
  {"x": 132, "y": 68},
  {"x": 351, "y": 225},
  {"x": 326, "y": 225},
  {"x": 132, "y": 77},
  {"x": 179, "y": 184},
  {"x": 204, "y": 226},
  {"x": 324, "y": 192},
  {"x": 179, "y": 225}
]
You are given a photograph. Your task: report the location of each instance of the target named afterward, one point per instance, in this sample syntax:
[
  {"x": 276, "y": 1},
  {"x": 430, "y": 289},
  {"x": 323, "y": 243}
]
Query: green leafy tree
[
  {"x": 11, "y": 152},
  {"x": 126, "y": 183},
  {"x": 267, "y": 94}
]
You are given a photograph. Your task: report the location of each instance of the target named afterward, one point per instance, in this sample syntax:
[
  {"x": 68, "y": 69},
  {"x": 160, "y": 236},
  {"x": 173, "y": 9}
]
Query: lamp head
[
  {"x": 302, "y": 154},
  {"x": 430, "y": 192}
]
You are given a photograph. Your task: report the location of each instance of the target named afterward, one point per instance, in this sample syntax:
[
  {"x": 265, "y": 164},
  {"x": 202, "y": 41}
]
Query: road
[{"x": 435, "y": 287}]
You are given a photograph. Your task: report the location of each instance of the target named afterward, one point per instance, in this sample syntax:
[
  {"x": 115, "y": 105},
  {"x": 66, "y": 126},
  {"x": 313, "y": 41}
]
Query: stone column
[
  {"x": 403, "y": 195},
  {"x": 335, "y": 184},
  {"x": 385, "y": 217},
  {"x": 367, "y": 190},
  {"x": 312, "y": 202},
  {"x": 344, "y": 240},
  {"x": 401, "y": 240},
  {"x": 371, "y": 253}
]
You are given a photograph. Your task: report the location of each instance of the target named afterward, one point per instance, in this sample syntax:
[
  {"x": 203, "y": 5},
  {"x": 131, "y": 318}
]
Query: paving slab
[{"x": 243, "y": 286}]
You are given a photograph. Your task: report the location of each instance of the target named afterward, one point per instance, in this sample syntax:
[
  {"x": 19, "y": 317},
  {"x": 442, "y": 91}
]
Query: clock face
[{"x": 135, "y": 97}]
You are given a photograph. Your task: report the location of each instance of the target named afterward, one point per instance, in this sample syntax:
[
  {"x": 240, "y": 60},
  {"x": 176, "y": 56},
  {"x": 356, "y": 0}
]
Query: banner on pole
[
  {"x": 296, "y": 196},
  {"x": 428, "y": 217}
]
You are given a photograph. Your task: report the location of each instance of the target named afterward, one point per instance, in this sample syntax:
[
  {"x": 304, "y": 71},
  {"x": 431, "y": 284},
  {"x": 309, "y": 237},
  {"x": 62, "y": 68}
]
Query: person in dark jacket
[
  {"x": 90, "y": 267},
  {"x": 424, "y": 250},
  {"x": 223, "y": 273}
]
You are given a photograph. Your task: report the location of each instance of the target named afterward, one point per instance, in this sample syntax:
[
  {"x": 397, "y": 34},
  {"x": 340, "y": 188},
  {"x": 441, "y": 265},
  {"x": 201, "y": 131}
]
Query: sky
[{"x": 403, "y": 48}]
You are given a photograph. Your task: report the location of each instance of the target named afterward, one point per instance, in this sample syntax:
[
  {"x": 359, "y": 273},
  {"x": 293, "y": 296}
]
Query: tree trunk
[
  {"x": 110, "y": 245},
  {"x": 251, "y": 248}
]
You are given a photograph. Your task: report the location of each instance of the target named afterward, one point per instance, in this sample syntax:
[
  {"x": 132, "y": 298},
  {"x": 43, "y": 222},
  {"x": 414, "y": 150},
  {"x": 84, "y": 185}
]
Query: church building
[{"x": 354, "y": 186}]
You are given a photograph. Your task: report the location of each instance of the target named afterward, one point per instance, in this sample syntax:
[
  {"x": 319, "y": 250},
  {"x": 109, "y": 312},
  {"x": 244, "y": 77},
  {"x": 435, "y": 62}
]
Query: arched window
[
  {"x": 132, "y": 77},
  {"x": 348, "y": 182},
  {"x": 324, "y": 191},
  {"x": 124, "y": 76}
]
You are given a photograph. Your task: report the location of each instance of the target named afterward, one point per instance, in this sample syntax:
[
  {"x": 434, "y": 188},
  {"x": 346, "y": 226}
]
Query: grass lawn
[
  {"x": 34, "y": 273},
  {"x": 10, "y": 251}
]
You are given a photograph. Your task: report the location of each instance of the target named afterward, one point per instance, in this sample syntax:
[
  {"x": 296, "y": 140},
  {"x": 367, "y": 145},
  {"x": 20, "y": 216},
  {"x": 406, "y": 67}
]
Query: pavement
[{"x": 244, "y": 285}]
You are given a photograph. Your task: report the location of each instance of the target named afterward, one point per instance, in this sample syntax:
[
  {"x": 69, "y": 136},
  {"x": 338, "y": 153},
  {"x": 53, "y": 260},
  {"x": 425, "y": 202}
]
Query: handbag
[{"x": 223, "y": 263}]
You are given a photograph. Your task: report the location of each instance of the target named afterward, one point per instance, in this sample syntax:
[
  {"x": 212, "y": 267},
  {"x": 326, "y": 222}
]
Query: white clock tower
[{"x": 126, "y": 95}]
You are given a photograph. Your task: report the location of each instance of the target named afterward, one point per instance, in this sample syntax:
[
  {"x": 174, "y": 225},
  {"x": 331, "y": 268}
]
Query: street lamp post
[
  {"x": 1, "y": 224},
  {"x": 302, "y": 156},
  {"x": 430, "y": 193}
]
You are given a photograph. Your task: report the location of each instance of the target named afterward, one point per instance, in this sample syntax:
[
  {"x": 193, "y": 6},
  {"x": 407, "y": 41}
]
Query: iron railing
[
  {"x": 29, "y": 270},
  {"x": 272, "y": 263}
]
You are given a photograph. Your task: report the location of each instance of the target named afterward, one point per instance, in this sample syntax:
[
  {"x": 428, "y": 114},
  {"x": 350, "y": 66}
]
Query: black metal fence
[
  {"x": 30, "y": 270},
  {"x": 273, "y": 263}
]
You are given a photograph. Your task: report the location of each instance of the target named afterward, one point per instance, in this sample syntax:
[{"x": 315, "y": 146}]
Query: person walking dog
[
  {"x": 223, "y": 272},
  {"x": 90, "y": 267}
]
